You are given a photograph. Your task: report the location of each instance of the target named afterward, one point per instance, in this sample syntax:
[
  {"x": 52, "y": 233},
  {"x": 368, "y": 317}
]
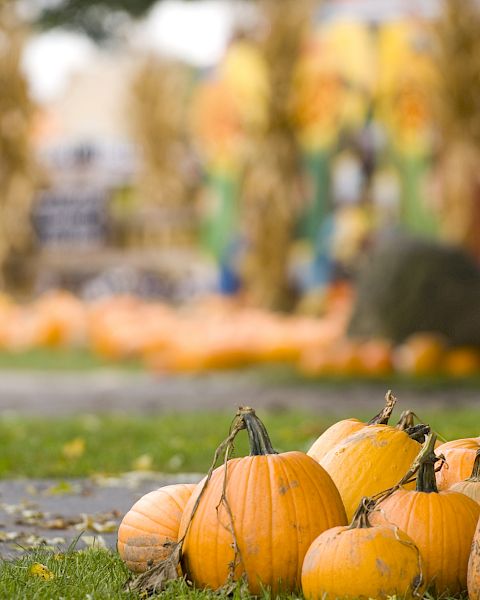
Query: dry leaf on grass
[{"x": 39, "y": 570}]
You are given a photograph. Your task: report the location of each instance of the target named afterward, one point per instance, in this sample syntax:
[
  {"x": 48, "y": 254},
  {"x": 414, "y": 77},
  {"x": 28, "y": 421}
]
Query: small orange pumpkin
[
  {"x": 441, "y": 524},
  {"x": 459, "y": 456},
  {"x": 151, "y": 525},
  {"x": 341, "y": 430},
  {"x": 362, "y": 561},
  {"x": 462, "y": 362},
  {"x": 421, "y": 354},
  {"x": 256, "y": 516},
  {"x": 471, "y": 486}
]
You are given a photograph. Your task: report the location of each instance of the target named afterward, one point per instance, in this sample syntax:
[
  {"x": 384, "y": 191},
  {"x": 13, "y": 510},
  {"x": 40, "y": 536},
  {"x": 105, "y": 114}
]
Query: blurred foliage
[
  {"x": 18, "y": 172},
  {"x": 167, "y": 180},
  {"x": 272, "y": 172},
  {"x": 457, "y": 102},
  {"x": 97, "y": 18}
]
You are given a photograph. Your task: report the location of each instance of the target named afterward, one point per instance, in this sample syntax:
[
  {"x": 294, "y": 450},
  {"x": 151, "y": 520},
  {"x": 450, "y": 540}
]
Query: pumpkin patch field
[{"x": 212, "y": 334}]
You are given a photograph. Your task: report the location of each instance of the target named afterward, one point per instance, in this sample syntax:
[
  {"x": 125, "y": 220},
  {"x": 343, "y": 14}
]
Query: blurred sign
[{"x": 72, "y": 216}]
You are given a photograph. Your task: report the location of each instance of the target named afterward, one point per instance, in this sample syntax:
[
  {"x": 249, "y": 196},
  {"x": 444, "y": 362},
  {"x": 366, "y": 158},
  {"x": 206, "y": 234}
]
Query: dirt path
[{"x": 46, "y": 393}]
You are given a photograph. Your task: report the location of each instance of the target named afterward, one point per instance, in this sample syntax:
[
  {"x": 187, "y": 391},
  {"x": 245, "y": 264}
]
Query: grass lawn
[
  {"x": 85, "y": 445},
  {"x": 64, "y": 359},
  {"x": 91, "y": 575}
]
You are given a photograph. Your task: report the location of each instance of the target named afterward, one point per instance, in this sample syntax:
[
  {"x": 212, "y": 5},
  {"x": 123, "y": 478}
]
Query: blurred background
[
  {"x": 214, "y": 203},
  {"x": 189, "y": 186}
]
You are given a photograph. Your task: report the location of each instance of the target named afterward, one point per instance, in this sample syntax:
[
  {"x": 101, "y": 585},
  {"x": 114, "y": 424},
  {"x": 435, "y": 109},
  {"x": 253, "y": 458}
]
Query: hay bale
[{"x": 410, "y": 285}]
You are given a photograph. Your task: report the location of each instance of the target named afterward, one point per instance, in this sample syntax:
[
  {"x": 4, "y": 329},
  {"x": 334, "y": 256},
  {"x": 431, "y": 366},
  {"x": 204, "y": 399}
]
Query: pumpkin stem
[
  {"x": 418, "y": 432},
  {"x": 406, "y": 421},
  {"x": 258, "y": 437},
  {"x": 426, "y": 466},
  {"x": 384, "y": 415},
  {"x": 361, "y": 519},
  {"x": 475, "y": 476}
]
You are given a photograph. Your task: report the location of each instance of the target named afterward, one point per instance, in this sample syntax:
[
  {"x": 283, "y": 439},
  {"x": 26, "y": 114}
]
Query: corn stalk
[
  {"x": 458, "y": 115},
  {"x": 166, "y": 182},
  {"x": 270, "y": 194},
  {"x": 18, "y": 173}
]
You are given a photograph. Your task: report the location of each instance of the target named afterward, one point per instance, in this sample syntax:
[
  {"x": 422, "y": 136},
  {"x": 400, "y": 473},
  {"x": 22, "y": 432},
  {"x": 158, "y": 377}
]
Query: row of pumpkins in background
[
  {"x": 218, "y": 333},
  {"x": 280, "y": 520}
]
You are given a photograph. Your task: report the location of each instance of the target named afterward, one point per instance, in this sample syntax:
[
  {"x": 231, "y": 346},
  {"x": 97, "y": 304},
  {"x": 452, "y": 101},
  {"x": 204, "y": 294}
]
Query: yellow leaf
[
  {"x": 74, "y": 448},
  {"x": 39, "y": 570},
  {"x": 143, "y": 463}
]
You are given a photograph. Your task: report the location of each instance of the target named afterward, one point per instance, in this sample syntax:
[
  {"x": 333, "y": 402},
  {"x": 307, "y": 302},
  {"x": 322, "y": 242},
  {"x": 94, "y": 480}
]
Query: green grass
[
  {"x": 91, "y": 574},
  {"x": 71, "y": 359},
  {"x": 183, "y": 442},
  {"x": 95, "y": 574}
]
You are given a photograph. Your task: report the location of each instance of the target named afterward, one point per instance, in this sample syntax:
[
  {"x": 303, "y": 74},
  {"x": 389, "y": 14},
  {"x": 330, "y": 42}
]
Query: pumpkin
[
  {"x": 459, "y": 456},
  {"x": 441, "y": 524},
  {"x": 370, "y": 461},
  {"x": 420, "y": 355},
  {"x": 151, "y": 525},
  {"x": 362, "y": 561},
  {"x": 256, "y": 516},
  {"x": 462, "y": 362},
  {"x": 471, "y": 486},
  {"x": 342, "y": 429},
  {"x": 376, "y": 358},
  {"x": 473, "y": 577}
]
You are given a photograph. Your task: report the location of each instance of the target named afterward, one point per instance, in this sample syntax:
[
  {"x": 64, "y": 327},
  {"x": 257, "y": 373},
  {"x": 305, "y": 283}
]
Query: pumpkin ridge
[
  {"x": 316, "y": 485},
  {"x": 270, "y": 530},
  {"x": 148, "y": 517},
  {"x": 271, "y": 475},
  {"x": 128, "y": 526},
  {"x": 243, "y": 512},
  {"x": 175, "y": 500},
  {"x": 320, "y": 488},
  {"x": 292, "y": 504}
]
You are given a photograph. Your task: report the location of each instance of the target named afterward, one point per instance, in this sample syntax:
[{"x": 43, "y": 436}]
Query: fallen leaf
[
  {"x": 8, "y": 536},
  {"x": 143, "y": 463},
  {"x": 107, "y": 527},
  {"x": 39, "y": 570},
  {"x": 62, "y": 487},
  {"x": 74, "y": 448}
]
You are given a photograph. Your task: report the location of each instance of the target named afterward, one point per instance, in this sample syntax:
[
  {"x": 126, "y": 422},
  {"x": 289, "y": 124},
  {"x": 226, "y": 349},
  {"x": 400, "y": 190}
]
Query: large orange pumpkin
[
  {"x": 150, "y": 527},
  {"x": 257, "y": 516},
  {"x": 369, "y": 461},
  {"x": 362, "y": 561},
  {"x": 460, "y": 456},
  {"x": 441, "y": 524},
  {"x": 471, "y": 486},
  {"x": 473, "y": 578},
  {"x": 341, "y": 430}
]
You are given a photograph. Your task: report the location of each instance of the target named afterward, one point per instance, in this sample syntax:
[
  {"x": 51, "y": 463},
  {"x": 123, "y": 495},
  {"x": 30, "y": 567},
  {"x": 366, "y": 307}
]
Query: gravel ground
[{"x": 46, "y": 393}]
